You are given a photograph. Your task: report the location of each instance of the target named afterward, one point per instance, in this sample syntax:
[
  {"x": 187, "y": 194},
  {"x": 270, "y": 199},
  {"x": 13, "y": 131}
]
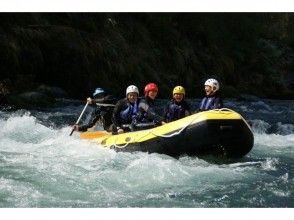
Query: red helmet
[{"x": 150, "y": 87}]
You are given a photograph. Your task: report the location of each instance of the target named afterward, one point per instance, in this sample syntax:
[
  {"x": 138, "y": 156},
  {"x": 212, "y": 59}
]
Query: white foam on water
[
  {"x": 24, "y": 129},
  {"x": 270, "y": 164},
  {"x": 285, "y": 129},
  {"x": 262, "y": 106},
  {"x": 274, "y": 141},
  {"x": 45, "y": 167},
  {"x": 19, "y": 195},
  {"x": 259, "y": 126},
  {"x": 279, "y": 143}
]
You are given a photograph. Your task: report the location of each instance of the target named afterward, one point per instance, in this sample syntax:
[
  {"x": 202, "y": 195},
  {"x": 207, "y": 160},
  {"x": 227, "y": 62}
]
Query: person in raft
[
  {"x": 146, "y": 116},
  {"x": 177, "y": 108},
  {"x": 103, "y": 104},
  {"x": 125, "y": 110},
  {"x": 212, "y": 100}
]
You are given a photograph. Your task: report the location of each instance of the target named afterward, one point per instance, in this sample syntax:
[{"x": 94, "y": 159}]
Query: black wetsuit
[
  {"x": 147, "y": 112},
  {"x": 123, "y": 114},
  {"x": 103, "y": 113}
]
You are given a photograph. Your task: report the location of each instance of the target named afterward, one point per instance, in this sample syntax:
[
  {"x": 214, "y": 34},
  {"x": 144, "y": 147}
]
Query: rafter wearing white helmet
[
  {"x": 132, "y": 88},
  {"x": 213, "y": 83},
  {"x": 212, "y": 100}
]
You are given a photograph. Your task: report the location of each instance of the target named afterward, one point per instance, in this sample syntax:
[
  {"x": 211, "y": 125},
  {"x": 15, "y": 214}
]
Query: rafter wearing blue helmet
[
  {"x": 102, "y": 113},
  {"x": 99, "y": 92}
]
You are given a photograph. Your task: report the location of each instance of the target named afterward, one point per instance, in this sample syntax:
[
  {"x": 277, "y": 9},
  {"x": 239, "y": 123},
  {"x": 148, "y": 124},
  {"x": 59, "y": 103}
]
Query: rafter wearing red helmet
[{"x": 147, "y": 112}]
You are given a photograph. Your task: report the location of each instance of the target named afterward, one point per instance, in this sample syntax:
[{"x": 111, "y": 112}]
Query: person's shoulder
[
  {"x": 171, "y": 101},
  {"x": 109, "y": 99},
  {"x": 121, "y": 101},
  {"x": 143, "y": 103},
  {"x": 142, "y": 100}
]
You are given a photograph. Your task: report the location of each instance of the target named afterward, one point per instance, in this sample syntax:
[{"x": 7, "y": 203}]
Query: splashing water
[{"x": 42, "y": 166}]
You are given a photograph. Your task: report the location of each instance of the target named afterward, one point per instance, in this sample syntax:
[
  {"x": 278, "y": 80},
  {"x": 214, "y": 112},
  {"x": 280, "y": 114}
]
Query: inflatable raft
[{"x": 217, "y": 132}]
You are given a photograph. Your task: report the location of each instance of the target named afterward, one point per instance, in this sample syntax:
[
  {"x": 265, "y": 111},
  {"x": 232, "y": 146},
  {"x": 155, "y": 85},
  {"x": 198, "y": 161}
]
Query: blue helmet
[{"x": 98, "y": 91}]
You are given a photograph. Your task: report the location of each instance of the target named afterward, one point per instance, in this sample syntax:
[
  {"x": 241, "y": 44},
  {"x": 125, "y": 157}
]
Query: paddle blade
[{"x": 94, "y": 134}]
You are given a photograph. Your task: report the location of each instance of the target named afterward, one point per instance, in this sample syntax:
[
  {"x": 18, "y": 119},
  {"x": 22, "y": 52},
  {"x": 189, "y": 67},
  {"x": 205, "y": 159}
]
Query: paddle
[
  {"x": 105, "y": 105},
  {"x": 94, "y": 134},
  {"x": 79, "y": 118}
]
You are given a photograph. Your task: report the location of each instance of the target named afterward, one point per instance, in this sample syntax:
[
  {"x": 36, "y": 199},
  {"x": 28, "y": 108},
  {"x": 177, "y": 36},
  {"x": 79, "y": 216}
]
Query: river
[{"x": 42, "y": 166}]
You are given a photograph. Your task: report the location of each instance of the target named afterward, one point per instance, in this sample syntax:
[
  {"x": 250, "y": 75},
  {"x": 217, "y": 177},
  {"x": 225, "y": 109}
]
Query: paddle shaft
[
  {"x": 105, "y": 105},
  {"x": 79, "y": 118}
]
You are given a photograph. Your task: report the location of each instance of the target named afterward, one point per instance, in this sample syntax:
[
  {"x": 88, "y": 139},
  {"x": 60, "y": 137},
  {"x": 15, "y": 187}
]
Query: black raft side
[{"x": 228, "y": 138}]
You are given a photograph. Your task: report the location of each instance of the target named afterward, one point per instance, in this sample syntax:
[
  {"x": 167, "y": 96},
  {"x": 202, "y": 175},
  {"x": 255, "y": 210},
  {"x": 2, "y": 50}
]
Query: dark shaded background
[{"x": 248, "y": 52}]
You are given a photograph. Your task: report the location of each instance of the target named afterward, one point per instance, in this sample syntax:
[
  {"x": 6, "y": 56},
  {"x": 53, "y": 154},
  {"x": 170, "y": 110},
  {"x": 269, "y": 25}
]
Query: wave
[
  {"x": 42, "y": 166},
  {"x": 262, "y": 127}
]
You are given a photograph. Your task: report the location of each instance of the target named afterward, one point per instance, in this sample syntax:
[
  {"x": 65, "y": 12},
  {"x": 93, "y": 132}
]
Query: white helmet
[
  {"x": 132, "y": 88},
  {"x": 213, "y": 83}
]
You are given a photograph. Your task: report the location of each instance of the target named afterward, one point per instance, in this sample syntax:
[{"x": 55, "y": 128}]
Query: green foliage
[{"x": 80, "y": 51}]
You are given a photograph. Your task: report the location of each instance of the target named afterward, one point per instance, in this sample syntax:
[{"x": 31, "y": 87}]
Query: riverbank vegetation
[{"x": 249, "y": 53}]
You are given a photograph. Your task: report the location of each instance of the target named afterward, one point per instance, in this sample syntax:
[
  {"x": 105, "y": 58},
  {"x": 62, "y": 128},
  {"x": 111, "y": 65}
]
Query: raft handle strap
[
  {"x": 222, "y": 110},
  {"x": 122, "y": 146},
  {"x": 175, "y": 133}
]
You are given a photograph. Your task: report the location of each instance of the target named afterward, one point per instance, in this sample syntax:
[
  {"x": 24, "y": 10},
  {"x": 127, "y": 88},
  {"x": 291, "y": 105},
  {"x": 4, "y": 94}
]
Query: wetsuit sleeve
[
  {"x": 115, "y": 116},
  {"x": 143, "y": 106},
  {"x": 110, "y": 99},
  {"x": 157, "y": 118},
  {"x": 90, "y": 124},
  {"x": 105, "y": 100},
  {"x": 151, "y": 114}
]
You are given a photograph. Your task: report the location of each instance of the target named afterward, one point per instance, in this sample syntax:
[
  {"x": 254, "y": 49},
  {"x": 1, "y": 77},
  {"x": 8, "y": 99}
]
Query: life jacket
[
  {"x": 210, "y": 102},
  {"x": 142, "y": 116},
  {"x": 130, "y": 112},
  {"x": 207, "y": 103},
  {"x": 174, "y": 111}
]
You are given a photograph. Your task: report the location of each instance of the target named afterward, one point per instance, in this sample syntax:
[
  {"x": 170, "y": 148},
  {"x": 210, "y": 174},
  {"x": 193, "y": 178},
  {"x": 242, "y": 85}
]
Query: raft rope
[
  {"x": 173, "y": 134},
  {"x": 230, "y": 110},
  {"x": 156, "y": 135},
  {"x": 182, "y": 129},
  {"x": 122, "y": 146},
  {"x": 222, "y": 110}
]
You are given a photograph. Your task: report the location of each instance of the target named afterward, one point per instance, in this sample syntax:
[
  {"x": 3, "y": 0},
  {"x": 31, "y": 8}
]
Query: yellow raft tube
[{"x": 216, "y": 132}]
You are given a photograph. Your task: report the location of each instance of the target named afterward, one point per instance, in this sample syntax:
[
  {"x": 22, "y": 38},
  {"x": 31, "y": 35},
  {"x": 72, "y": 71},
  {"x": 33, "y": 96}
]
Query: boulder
[
  {"x": 30, "y": 99},
  {"x": 52, "y": 91}
]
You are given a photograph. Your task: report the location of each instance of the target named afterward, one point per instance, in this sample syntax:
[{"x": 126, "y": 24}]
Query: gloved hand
[
  {"x": 120, "y": 131},
  {"x": 89, "y": 100},
  {"x": 75, "y": 127}
]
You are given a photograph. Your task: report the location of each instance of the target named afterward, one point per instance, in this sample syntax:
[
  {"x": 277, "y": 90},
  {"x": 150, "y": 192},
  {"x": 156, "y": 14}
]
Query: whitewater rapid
[{"x": 42, "y": 166}]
